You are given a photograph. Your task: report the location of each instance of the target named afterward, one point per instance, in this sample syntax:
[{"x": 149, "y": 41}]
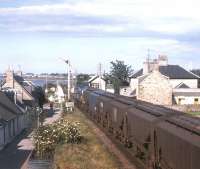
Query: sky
[{"x": 35, "y": 33}]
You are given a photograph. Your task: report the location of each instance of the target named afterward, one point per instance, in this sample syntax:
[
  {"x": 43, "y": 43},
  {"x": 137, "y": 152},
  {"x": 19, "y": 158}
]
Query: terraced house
[{"x": 12, "y": 120}]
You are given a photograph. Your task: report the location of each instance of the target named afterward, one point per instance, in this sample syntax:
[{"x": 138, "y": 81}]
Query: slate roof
[
  {"x": 137, "y": 74},
  {"x": 95, "y": 77},
  {"x": 171, "y": 71},
  {"x": 21, "y": 80},
  {"x": 8, "y": 110},
  {"x": 176, "y": 72},
  {"x": 8, "y": 103},
  {"x": 197, "y": 94}
]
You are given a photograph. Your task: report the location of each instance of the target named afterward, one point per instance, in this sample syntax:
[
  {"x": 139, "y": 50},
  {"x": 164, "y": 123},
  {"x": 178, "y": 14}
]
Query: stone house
[
  {"x": 184, "y": 84},
  {"x": 23, "y": 89},
  {"x": 155, "y": 88}
]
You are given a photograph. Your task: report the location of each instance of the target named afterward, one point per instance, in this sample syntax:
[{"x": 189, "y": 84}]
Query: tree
[
  {"x": 119, "y": 74},
  {"x": 39, "y": 95},
  {"x": 81, "y": 78}
]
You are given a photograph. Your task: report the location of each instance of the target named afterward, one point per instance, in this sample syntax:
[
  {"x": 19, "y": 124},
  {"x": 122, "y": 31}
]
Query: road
[{"x": 15, "y": 155}]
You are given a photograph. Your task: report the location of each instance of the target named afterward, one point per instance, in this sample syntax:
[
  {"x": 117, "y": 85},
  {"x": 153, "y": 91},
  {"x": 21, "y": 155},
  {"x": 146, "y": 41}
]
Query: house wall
[
  {"x": 1, "y": 137},
  {"x": 134, "y": 83},
  {"x": 101, "y": 82},
  {"x": 186, "y": 100},
  {"x": 110, "y": 90},
  {"x": 126, "y": 91},
  {"x": 21, "y": 91},
  {"x": 10, "y": 130},
  {"x": 12, "y": 83},
  {"x": 155, "y": 88},
  {"x": 192, "y": 83}
]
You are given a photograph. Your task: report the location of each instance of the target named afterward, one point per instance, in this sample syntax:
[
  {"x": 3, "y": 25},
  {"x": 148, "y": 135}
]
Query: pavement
[{"x": 16, "y": 154}]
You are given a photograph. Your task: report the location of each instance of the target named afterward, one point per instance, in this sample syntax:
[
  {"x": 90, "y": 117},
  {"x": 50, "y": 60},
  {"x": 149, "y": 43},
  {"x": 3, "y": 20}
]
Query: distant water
[{"x": 41, "y": 82}]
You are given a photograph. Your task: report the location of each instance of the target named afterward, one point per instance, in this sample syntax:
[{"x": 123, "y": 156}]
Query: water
[{"x": 42, "y": 82}]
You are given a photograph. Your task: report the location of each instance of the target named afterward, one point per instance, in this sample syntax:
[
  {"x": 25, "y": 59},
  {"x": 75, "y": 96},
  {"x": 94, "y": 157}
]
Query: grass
[
  {"x": 90, "y": 154},
  {"x": 194, "y": 113}
]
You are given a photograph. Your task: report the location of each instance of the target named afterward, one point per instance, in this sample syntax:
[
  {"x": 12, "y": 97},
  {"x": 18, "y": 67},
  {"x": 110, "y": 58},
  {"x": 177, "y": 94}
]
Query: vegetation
[
  {"x": 82, "y": 78},
  {"x": 47, "y": 137},
  {"x": 194, "y": 113},
  {"x": 39, "y": 94},
  {"x": 90, "y": 153},
  {"x": 119, "y": 74}
]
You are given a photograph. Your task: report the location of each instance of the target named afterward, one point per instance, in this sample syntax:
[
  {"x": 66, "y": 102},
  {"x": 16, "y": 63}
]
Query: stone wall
[{"x": 155, "y": 88}]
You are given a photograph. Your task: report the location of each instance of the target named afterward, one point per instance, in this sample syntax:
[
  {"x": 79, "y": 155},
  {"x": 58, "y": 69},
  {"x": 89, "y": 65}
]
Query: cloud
[{"x": 158, "y": 18}]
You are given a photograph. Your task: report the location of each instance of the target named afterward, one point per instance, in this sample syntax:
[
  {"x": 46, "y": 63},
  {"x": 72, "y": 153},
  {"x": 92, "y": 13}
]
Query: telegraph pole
[{"x": 68, "y": 80}]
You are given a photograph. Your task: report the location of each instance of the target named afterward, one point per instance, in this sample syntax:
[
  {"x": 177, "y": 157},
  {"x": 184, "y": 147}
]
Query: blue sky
[{"x": 34, "y": 34}]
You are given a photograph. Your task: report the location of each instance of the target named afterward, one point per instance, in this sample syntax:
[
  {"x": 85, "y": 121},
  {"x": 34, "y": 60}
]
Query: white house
[
  {"x": 184, "y": 83},
  {"x": 60, "y": 94},
  {"x": 97, "y": 82}
]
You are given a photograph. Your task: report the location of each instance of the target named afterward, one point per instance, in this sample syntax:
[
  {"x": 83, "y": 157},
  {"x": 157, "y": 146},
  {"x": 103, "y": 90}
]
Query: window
[
  {"x": 95, "y": 85},
  {"x": 196, "y": 100},
  {"x": 181, "y": 101}
]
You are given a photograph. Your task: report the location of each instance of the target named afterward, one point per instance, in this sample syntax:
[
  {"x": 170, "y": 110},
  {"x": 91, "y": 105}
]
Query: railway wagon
[
  {"x": 155, "y": 131},
  {"x": 85, "y": 100},
  {"x": 103, "y": 103},
  {"x": 117, "y": 112},
  {"x": 92, "y": 105},
  {"x": 177, "y": 143}
]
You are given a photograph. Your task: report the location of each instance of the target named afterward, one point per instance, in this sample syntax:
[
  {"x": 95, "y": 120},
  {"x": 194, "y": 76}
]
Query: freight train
[{"x": 160, "y": 138}]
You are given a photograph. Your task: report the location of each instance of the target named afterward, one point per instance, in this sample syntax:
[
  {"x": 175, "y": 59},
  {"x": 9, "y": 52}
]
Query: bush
[{"x": 47, "y": 137}]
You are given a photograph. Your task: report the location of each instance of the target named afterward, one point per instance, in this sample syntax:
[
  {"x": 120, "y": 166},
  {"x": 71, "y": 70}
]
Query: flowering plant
[{"x": 47, "y": 137}]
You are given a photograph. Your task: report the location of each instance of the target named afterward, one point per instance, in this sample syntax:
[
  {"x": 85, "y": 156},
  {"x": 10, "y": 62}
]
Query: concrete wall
[
  {"x": 155, "y": 88},
  {"x": 192, "y": 83}
]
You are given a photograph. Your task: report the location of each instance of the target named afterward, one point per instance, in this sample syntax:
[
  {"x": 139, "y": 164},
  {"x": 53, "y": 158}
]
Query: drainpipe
[{"x": 15, "y": 98}]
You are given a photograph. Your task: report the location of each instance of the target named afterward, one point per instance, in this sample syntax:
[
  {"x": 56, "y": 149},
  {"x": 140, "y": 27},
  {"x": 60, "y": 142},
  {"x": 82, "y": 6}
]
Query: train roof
[
  {"x": 155, "y": 110},
  {"x": 118, "y": 104},
  {"x": 141, "y": 114},
  {"x": 180, "y": 132},
  {"x": 187, "y": 122}
]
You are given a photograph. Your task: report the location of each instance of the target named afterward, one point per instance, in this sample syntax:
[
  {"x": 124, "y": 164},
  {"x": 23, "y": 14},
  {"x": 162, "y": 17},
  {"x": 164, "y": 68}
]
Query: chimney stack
[{"x": 10, "y": 78}]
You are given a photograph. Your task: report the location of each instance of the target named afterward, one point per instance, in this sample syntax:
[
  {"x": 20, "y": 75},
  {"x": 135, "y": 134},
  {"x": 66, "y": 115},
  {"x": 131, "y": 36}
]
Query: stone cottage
[
  {"x": 22, "y": 89},
  {"x": 155, "y": 88},
  {"x": 184, "y": 84}
]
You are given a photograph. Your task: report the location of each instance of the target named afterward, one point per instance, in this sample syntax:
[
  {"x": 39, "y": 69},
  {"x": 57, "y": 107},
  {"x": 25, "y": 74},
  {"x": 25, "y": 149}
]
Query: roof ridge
[{"x": 24, "y": 89}]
